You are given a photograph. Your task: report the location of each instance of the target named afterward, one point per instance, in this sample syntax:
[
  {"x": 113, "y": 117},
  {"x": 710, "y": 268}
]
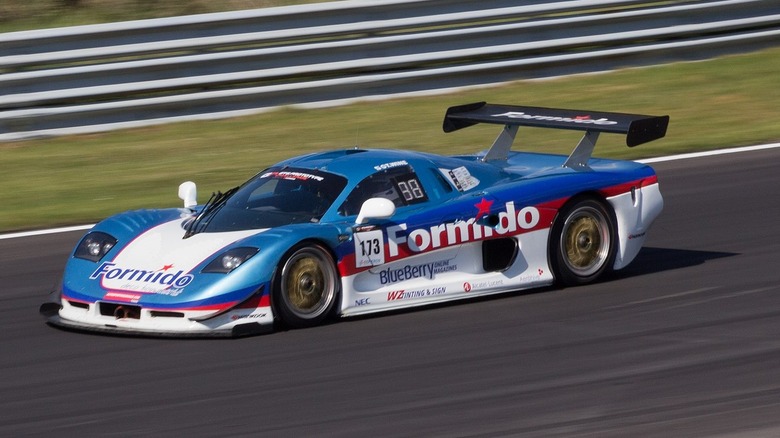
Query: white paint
[
  {"x": 710, "y": 153},
  {"x": 44, "y": 232}
]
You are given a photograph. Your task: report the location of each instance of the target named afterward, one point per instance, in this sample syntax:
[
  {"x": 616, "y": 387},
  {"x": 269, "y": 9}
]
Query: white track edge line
[
  {"x": 710, "y": 153},
  {"x": 44, "y": 232}
]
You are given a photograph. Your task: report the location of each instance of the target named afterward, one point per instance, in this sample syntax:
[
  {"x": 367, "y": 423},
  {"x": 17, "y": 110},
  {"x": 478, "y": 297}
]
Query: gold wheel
[
  {"x": 585, "y": 247},
  {"x": 308, "y": 286},
  {"x": 583, "y": 243},
  {"x": 305, "y": 286}
]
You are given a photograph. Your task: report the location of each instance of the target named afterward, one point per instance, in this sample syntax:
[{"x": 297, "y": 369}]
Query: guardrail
[{"x": 103, "y": 77}]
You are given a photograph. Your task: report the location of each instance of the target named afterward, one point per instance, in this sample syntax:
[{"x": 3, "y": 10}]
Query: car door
[{"x": 426, "y": 250}]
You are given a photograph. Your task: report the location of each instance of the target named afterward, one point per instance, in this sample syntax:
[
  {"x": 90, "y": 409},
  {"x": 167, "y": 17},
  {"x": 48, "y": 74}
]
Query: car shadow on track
[{"x": 652, "y": 260}]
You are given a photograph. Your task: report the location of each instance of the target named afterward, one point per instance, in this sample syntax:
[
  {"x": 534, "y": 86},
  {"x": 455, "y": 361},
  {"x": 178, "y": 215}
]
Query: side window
[{"x": 398, "y": 184}]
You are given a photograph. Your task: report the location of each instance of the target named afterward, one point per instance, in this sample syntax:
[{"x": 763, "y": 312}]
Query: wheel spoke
[
  {"x": 307, "y": 286},
  {"x": 585, "y": 241}
]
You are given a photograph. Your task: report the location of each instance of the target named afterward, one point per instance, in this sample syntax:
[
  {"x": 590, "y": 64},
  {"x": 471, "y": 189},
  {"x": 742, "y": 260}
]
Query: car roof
[{"x": 356, "y": 164}]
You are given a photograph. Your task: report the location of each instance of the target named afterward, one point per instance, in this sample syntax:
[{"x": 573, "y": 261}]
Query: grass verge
[{"x": 718, "y": 103}]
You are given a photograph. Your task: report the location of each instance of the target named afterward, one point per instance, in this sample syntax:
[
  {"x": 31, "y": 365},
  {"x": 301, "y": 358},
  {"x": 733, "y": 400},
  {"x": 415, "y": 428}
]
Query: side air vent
[{"x": 498, "y": 254}]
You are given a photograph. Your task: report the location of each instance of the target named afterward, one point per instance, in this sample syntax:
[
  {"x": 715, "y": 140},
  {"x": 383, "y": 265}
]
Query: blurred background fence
[{"x": 118, "y": 75}]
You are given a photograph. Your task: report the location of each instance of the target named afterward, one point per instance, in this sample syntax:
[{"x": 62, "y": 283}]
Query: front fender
[{"x": 274, "y": 243}]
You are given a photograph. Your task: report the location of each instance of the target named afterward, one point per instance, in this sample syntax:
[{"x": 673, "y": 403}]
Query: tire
[
  {"x": 583, "y": 242},
  {"x": 306, "y": 286}
]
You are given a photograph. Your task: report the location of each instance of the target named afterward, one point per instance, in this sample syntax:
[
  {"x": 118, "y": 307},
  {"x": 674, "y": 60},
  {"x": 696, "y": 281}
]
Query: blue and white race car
[{"x": 356, "y": 231}]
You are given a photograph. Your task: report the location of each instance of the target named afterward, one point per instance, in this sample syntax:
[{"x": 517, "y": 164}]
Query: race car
[{"x": 357, "y": 231}]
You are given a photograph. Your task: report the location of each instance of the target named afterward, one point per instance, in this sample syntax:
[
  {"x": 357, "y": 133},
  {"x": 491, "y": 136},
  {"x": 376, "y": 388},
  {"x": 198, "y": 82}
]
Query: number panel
[
  {"x": 410, "y": 188},
  {"x": 369, "y": 248}
]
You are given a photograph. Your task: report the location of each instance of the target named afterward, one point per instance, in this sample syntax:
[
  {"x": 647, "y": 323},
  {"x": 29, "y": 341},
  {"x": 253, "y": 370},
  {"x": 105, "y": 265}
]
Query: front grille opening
[
  {"x": 120, "y": 311},
  {"x": 79, "y": 304},
  {"x": 161, "y": 314}
]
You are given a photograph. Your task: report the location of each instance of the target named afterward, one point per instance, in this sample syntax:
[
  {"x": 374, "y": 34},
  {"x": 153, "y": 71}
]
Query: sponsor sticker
[
  {"x": 292, "y": 176},
  {"x": 122, "y": 296},
  {"x": 391, "y": 165},
  {"x": 160, "y": 281},
  {"x": 376, "y": 246},
  {"x": 248, "y": 316},
  {"x": 584, "y": 119},
  {"x": 410, "y": 272},
  {"x": 510, "y": 222},
  {"x": 485, "y": 284},
  {"x": 461, "y": 178},
  {"x": 403, "y": 294}
]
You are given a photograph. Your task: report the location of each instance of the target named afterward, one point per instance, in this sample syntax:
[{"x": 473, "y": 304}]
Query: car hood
[
  {"x": 152, "y": 264},
  {"x": 160, "y": 259}
]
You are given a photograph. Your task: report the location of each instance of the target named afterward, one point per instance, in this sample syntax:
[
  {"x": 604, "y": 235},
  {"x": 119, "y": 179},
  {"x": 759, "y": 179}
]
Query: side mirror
[
  {"x": 375, "y": 208},
  {"x": 188, "y": 193}
]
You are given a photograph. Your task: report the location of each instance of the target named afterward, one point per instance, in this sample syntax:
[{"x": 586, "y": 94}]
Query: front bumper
[{"x": 122, "y": 319}]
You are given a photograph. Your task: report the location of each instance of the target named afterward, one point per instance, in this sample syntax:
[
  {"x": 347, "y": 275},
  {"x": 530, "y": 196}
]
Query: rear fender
[{"x": 635, "y": 211}]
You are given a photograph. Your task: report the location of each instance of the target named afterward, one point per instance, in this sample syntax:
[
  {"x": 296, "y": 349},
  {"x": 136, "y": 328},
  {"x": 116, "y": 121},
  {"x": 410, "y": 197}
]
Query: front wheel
[
  {"x": 306, "y": 286},
  {"x": 583, "y": 242}
]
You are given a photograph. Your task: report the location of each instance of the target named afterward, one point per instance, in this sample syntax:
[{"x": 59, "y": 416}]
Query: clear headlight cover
[
  {"x": 230, "y": 260},
  {"x": 94, "y": 246}
]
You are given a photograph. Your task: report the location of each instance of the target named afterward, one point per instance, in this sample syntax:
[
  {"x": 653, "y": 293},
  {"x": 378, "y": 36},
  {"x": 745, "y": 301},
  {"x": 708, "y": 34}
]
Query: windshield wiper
[{"x": 215, "y": 202}]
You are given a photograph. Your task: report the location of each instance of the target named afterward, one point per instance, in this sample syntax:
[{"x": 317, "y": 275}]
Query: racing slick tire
[
  {"x": 306, "y": 287},
  {"x": 583, "y": 242}
]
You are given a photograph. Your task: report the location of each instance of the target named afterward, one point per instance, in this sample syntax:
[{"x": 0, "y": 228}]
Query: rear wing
[{"x": 637, "y": 128}]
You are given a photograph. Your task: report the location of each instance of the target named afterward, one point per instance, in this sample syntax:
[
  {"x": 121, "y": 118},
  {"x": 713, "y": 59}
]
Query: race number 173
[{"x": 369, "y": 248}]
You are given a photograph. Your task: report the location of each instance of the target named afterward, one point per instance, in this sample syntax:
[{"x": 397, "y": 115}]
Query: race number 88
[{"x": 411, "y": 189}]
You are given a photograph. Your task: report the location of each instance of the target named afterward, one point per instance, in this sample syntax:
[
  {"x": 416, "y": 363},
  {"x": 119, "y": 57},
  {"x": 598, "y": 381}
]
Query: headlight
[
  {"x": 230, "y": 259},
  {"x": 94, "y": 246}
]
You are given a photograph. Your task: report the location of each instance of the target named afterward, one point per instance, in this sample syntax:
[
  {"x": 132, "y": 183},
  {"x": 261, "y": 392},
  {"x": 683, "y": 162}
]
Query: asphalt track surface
[{"x": 685, "y": 342}]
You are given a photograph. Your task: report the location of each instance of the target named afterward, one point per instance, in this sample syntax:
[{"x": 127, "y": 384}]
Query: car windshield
[{"x": 276, "y": 197}]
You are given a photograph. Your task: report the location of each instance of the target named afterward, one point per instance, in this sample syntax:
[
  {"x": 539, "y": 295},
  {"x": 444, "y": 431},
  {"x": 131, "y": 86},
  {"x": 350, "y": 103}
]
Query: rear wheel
[
  {"x": 306, "y": 286},
  {"x": 583, "y": 242}
]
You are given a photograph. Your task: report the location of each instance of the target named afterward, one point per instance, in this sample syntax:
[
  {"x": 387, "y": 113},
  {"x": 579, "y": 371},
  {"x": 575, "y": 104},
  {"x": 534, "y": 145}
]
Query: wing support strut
[
  {"x": 637, "y": 128},
  {"x": 578, "y": 160},
  {"x": 502, "y": 144}
]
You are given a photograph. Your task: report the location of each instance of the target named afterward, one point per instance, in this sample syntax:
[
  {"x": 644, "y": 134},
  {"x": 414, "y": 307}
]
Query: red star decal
[
  {"x": 483, "y": 207},
  {"x": 581, "y": 117},
  {"x": 166, "y": 267}
]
